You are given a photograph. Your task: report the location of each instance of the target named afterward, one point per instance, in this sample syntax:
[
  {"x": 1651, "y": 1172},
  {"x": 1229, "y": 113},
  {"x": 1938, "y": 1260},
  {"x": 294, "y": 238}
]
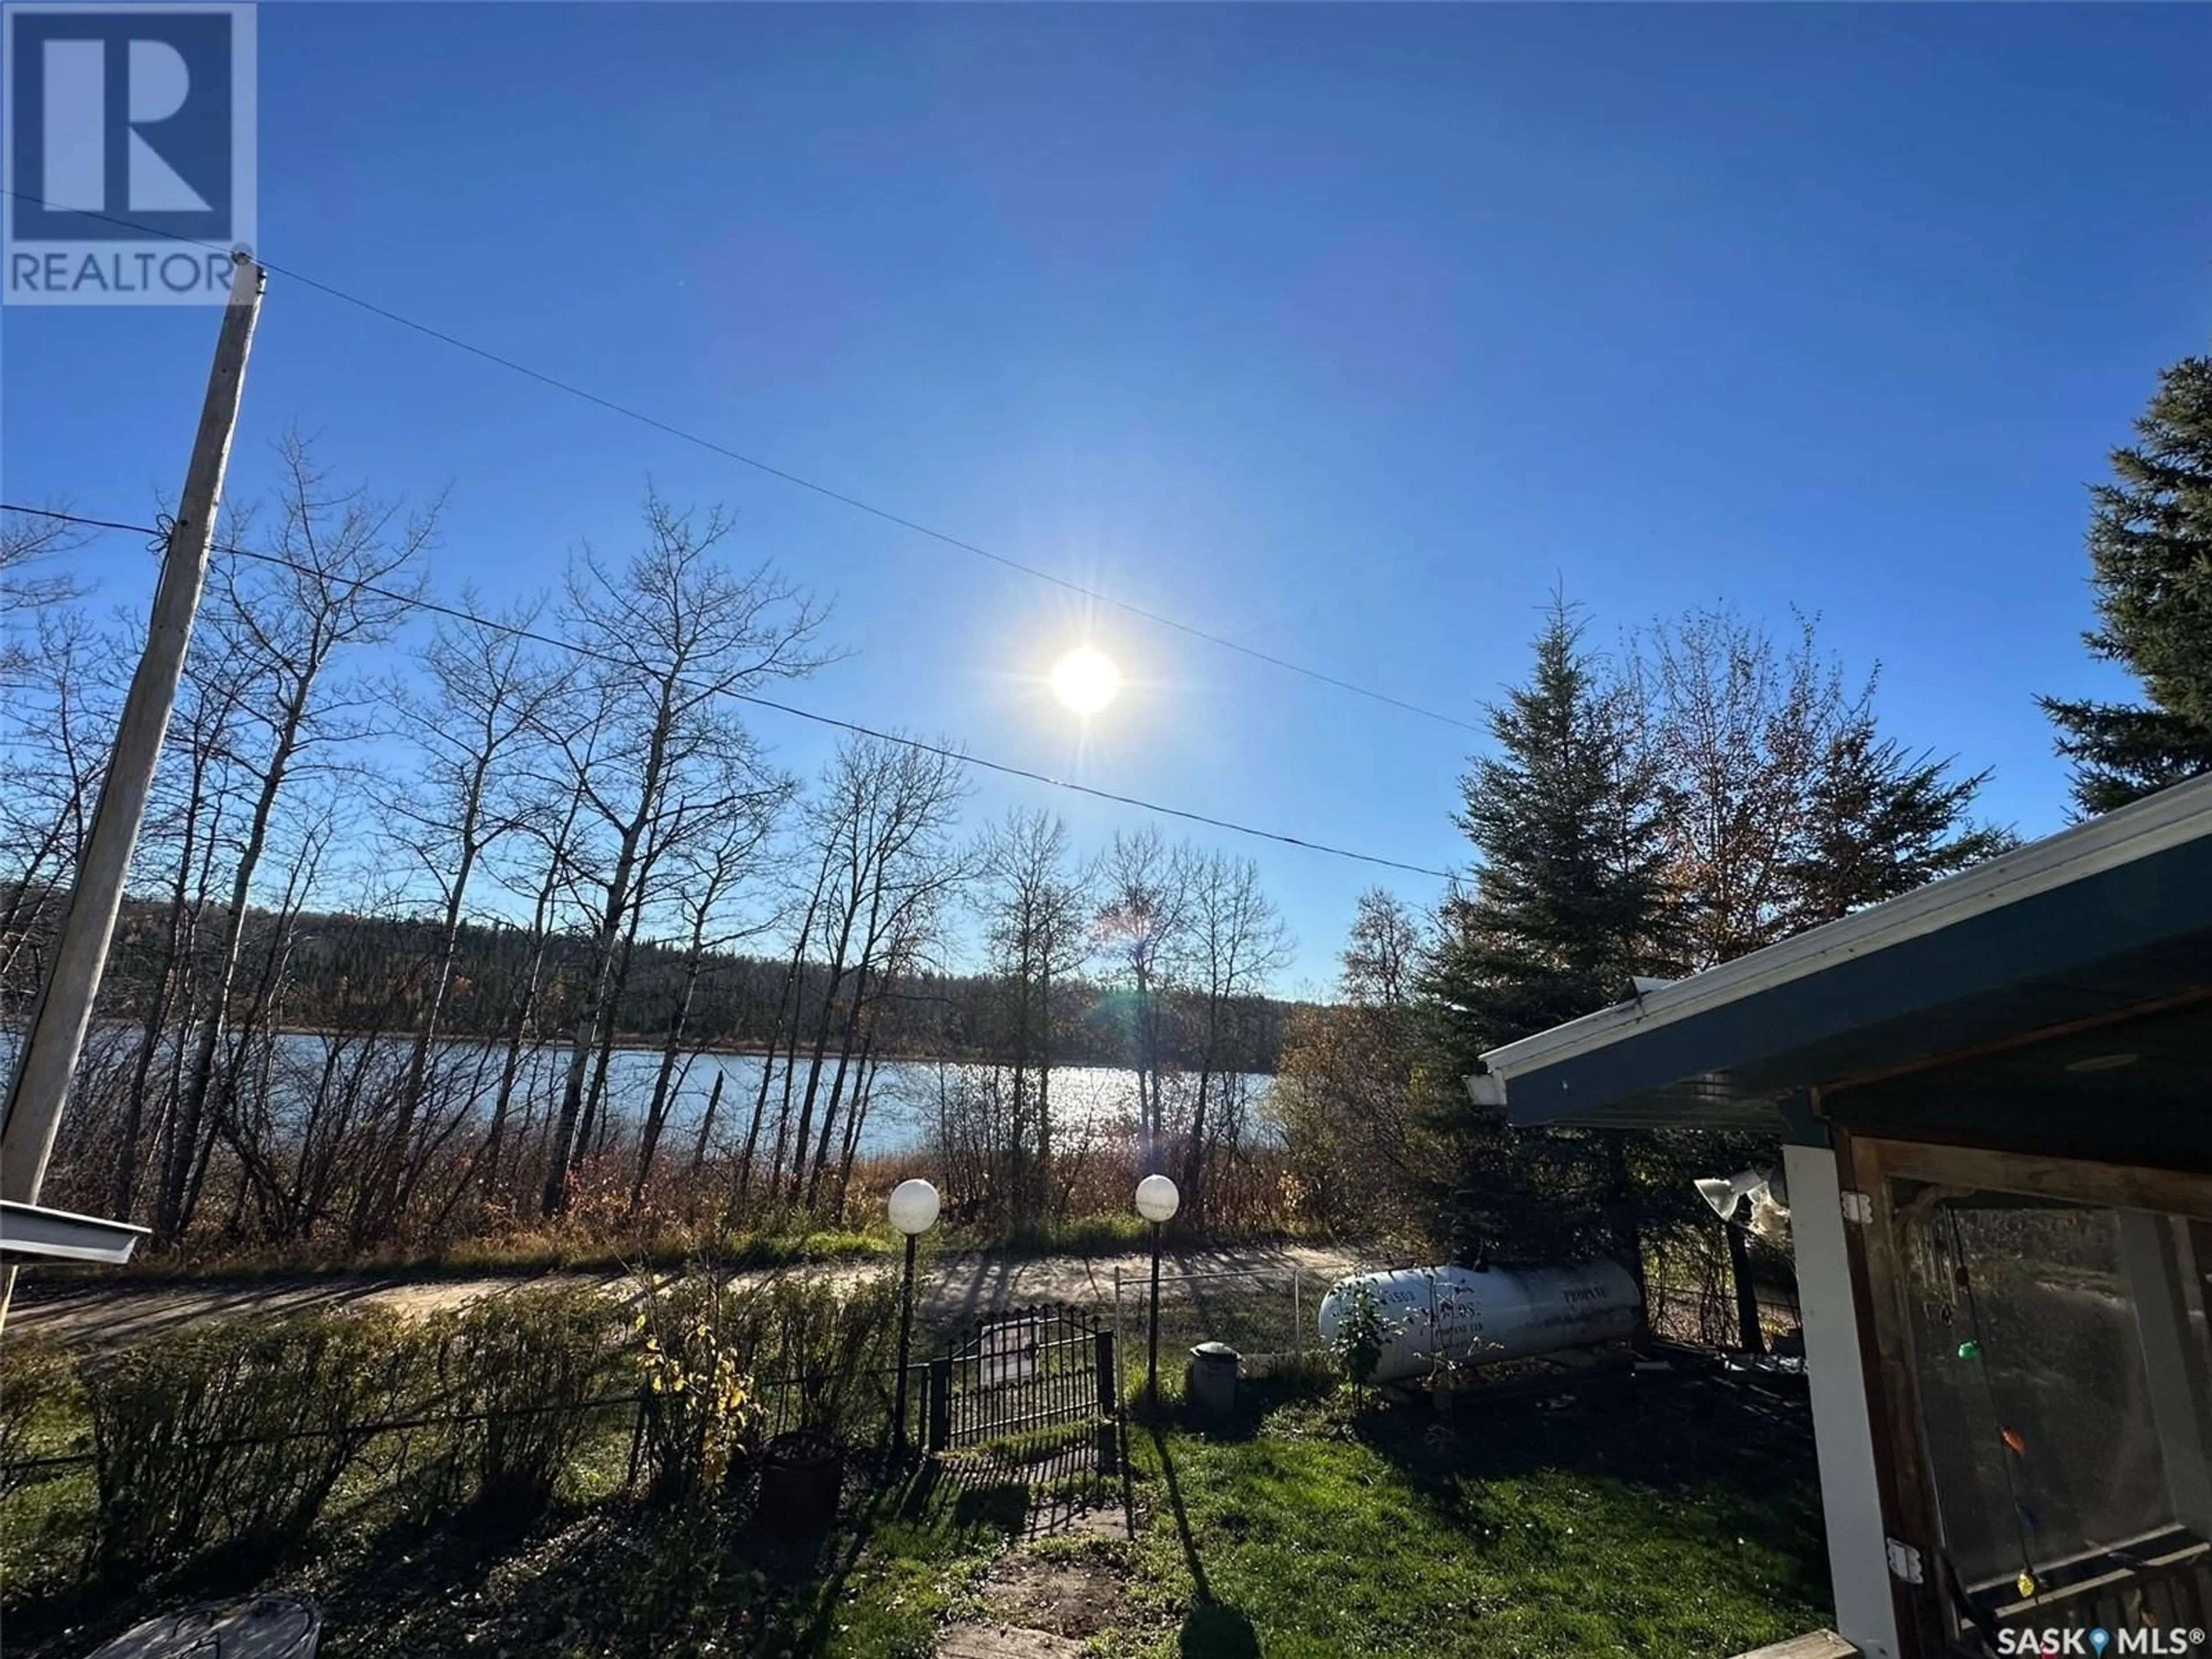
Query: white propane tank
[{"x": 1462, "y": 1314}]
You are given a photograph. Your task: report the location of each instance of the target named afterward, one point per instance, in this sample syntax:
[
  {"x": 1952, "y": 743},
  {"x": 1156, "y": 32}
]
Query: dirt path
[{"x": 87, "y": 1315}]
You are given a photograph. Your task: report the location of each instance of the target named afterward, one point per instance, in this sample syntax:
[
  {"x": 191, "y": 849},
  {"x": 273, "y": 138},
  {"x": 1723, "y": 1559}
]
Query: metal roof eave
[
  {"x": 30, "y": 1232},
  {"x": 2133, "y": 840}
]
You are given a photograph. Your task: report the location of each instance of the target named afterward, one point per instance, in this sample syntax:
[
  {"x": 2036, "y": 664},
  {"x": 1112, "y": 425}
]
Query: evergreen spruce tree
[
  {"x": 2150, "y": 554},
  {"x": 1879, "y": 821},
  {"x": 1569, "y": 901}
]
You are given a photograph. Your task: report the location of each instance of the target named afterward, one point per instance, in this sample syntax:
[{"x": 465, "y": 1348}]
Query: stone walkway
[{"x": 1045, "y": 1607}]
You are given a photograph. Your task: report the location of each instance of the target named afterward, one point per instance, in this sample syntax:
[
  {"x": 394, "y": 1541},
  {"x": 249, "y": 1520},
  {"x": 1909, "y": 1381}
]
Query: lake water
[
  {"x": 905, "y": 1106},
  {"x": 905, "y": 1109}
]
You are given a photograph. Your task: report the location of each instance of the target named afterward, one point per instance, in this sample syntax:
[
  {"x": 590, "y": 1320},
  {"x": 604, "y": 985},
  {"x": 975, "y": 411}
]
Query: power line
[
  {"x": 89, "y": 524},
  {"x": 823, "y": 491},
  {"x": 458, "y": 614}
]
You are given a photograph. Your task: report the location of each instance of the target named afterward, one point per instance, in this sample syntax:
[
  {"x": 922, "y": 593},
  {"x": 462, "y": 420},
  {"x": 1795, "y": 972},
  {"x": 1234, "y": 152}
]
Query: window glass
[{"x": 2040, "y": 1438}]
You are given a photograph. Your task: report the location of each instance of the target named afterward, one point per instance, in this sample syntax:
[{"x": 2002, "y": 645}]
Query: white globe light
[
  {"x": 1157, "y": 1198},
  {"x": 913, "y": 1208}
]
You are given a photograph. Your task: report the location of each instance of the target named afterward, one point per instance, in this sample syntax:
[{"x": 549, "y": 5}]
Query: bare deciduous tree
[
  {"x": 1738, "y": 726},
  {"x": 1238, "y": 945},
  {"x": 884, "y": 816},
  {"x": 714, "y": 865},
  {"x": 33, "y": 581},
  {"x": 1036, "y": 910},
  {"x": 489, "y": 695},
  {"x": 1140, "y": 930},
  {"x": 178, "y": 850},
  {"x": 668, "y": 640},
  {"x": 1343, "y": 1095},
  {"x": 345, "y": 556},
  {"x": 62, "y": 709},
  {"x": 1785, "y": 805}
]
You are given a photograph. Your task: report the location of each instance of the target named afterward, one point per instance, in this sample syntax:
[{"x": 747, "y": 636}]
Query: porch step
[
  {"x": 1820, "y": 1644},
  {"x": 1004, "y": 1642}
]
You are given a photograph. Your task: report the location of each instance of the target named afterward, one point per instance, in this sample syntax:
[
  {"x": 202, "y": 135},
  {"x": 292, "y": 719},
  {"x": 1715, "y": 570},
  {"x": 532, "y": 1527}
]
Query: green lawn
[{"x": 1666, "y": 1520}]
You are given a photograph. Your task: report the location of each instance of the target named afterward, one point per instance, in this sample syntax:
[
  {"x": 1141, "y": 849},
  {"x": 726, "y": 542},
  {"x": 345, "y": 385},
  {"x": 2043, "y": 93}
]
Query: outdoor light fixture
[
  {"x": 1158, "y": 1199},
  {"x": 913, "y": 1209},
  {"x": 1157, "y": 1202},
  {"x": 1724, "y": 1194}
]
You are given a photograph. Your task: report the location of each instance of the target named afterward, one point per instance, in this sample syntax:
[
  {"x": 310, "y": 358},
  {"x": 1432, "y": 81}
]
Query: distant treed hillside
[{"x": 367, "y": 973}]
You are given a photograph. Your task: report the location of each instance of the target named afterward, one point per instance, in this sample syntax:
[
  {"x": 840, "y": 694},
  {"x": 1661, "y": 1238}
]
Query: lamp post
[
  {"x": 1157, "y": 1202},
  {"x": 913, "y": 1212}
]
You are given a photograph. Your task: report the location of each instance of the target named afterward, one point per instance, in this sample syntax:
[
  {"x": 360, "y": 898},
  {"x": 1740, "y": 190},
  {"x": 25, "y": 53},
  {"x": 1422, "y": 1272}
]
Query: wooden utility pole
[
  {"x": 62, "y": 1012},
  {"x": 1749, "y": 1336}
]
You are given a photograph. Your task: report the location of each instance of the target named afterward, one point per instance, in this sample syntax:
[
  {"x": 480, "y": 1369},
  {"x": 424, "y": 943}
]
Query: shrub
[
  {"x": 699, "y": 1408},
  {"x": 38, "y": 1392},
  {"x": 830, "y": 1345},
  {"x": 1361, "y": 1333},
  {"x": 724, "y": 1363},
  {"x": 521, "y": 1371},
  {"x": 234, "y": 1434}
]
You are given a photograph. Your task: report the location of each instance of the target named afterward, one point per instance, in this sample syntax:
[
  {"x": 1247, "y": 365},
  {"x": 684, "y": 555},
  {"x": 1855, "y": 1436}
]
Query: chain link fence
[
  {"x": 1705, "y": 1316},
  {"x": 1268, "y": 1315},
  {"x": 1271, "y": 1313},
  {"x": 1690, "y": 1292}
]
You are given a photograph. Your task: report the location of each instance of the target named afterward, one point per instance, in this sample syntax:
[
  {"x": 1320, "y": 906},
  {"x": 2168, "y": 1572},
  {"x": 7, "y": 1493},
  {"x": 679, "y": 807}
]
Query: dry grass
[{"x": 1253, "y": 1199}]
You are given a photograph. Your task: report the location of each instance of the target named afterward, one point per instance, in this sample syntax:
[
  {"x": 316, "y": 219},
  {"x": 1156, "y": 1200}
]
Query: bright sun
[{"x": 1086, "y": 679}]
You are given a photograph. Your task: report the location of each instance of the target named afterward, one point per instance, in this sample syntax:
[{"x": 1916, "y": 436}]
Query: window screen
[{"x": 2040, "y": 1438}]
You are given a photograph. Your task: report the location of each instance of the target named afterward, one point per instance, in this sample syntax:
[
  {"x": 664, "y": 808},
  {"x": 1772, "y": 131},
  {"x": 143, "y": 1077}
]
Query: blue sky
[{"x": 1344, "y": 332}]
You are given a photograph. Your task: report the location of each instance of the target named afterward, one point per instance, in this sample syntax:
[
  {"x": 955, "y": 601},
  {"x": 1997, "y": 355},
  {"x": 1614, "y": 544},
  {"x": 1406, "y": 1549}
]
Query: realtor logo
[{"x": 129, "y": 151}]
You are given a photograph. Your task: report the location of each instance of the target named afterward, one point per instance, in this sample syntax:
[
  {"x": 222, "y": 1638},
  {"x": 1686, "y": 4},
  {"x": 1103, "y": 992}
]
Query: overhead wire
[
  {"x": 629, "y": 412},
  {"x": 965, "y": 757}
]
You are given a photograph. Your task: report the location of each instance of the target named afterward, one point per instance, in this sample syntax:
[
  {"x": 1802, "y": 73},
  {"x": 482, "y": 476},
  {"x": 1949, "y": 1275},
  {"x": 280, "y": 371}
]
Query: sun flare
[{"x": 1086, "y": 679}]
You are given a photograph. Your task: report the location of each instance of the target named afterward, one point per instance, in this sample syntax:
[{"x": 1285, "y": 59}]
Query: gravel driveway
[{"x": 86, "y": 1314}]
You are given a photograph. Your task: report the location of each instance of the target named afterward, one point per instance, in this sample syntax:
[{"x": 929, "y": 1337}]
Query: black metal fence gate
[{"x": 1022, "y": 1374}]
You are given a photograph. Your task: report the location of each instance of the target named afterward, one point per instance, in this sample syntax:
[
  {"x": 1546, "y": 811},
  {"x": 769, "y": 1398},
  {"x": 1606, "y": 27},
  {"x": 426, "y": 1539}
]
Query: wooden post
[
  {"x": 2159, "y": 1274},
  {"x": 1117, "y": 1312},
  {"x": 1876, "y": 1251},
  {"x": 1749, "y": 1337},
  {"x": 1847, "y": 1407},
  {"x": 55, "y": 1037},
  {"x": 1109, "y": 1429},
  {"x": 1106, "y": 1401},
  {"x": 940, "y": 1402}
]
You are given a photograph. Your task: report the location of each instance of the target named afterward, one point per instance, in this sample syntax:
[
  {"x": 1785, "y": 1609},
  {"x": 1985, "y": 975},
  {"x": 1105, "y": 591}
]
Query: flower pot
[{"x": 801, "y": 1475}]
